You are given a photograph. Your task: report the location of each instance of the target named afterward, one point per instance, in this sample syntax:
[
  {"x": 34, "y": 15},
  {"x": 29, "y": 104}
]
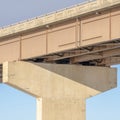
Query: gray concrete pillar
[{"x": 61, "y": 90}]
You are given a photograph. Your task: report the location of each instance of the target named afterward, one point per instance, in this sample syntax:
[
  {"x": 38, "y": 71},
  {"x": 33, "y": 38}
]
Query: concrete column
[
  {"x": 61, "y": 90},
  {"x": 60, "y": 109}
]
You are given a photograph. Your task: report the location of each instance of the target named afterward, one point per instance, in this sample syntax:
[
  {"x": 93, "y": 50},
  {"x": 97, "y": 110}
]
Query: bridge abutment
[{"x": 60, "y": 90}]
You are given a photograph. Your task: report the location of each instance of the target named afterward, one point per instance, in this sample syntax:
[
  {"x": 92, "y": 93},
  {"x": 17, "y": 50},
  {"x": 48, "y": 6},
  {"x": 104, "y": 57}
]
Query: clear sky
[{"x": 16, "y": 105}]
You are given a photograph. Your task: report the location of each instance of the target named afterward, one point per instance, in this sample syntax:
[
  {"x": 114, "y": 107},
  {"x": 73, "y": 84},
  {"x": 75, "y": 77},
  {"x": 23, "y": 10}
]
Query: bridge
[{"x": 64, "y": 57}]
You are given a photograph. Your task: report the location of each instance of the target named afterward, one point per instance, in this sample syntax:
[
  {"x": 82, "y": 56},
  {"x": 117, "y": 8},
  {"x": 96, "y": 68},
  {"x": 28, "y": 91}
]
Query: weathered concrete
[
  {"x": 61, "y": 109},
  {"x": 61, "y": 90}
]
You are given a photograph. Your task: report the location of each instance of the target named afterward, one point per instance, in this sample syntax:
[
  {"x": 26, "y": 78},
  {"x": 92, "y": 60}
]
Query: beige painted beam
[
  {"x": 61, "y": 90},
  {"x": 0, "y": 78},
  {"x": 110, "y": 61},
  {"x": 0, "y": 73}
]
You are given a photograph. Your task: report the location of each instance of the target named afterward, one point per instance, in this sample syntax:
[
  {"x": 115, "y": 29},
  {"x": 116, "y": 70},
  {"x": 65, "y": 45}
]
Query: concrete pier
[{"x": 60, "y": 90}]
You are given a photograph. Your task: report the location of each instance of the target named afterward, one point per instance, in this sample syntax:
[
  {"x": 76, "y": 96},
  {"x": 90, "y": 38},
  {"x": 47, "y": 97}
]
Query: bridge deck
[
  {"x": 87, "y": 34},
  {"x": 68, "y": 13}
]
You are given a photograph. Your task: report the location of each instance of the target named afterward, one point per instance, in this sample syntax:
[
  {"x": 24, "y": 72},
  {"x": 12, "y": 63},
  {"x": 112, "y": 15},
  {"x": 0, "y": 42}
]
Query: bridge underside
[
  {"x": 89, "y": 39},
  {"x": 102, "y": 54}
]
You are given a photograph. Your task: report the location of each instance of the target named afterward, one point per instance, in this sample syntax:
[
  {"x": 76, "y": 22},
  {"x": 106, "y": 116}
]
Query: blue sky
[{"x": 16, "y": 105}]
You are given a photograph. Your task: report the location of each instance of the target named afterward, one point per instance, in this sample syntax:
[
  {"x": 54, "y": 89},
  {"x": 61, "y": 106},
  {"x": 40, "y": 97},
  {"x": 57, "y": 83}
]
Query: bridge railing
[{"x": 83, "y": 8}]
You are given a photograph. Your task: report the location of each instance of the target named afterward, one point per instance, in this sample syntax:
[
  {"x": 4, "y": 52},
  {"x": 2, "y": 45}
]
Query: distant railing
[{"x": 67, "y": 13}]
